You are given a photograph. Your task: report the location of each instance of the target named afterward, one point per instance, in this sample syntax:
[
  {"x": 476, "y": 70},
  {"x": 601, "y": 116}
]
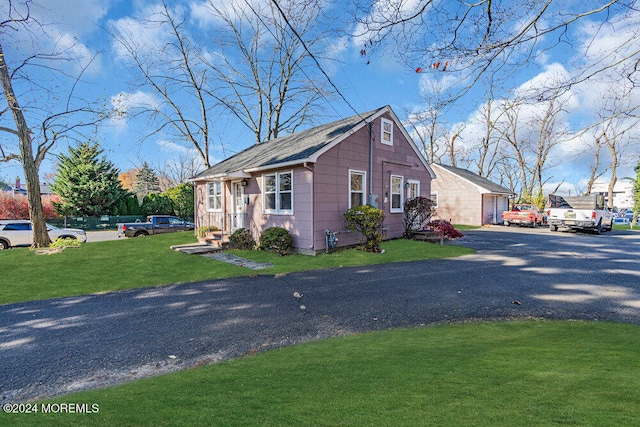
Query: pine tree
[
  {"x": 146, "y": 181},
  {"x": 87, "y": 185}
]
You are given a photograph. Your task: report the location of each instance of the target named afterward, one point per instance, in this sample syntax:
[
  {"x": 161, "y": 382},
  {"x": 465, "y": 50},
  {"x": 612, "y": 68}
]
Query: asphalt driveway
[{"x": 57, "y": 346}]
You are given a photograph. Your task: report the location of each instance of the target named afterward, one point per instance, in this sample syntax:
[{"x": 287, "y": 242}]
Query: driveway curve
[{"x": 58, "y": 346}]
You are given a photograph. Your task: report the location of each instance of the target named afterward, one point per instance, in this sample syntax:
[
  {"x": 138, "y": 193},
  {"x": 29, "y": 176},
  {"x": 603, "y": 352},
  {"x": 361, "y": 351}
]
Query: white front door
[{"x": 237, "y": 220}]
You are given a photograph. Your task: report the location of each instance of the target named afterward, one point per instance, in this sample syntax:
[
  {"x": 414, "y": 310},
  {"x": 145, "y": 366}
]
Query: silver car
[{"x": 17, "y": 232}]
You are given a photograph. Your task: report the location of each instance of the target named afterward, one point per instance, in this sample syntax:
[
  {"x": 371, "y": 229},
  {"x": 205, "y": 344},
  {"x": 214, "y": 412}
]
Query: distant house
[
  {"x": 21, "y": 189},
  {"x": 306, "y": 181},
  {"x": 623, "y": 194},
  {"x": 464, "y": 197}
]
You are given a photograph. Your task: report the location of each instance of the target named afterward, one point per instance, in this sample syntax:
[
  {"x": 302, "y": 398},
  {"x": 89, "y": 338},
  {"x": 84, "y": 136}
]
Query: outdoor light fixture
[{"x": 244, "y": 182}]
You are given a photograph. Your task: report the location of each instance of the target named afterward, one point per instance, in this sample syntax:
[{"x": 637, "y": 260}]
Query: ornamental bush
[
  {"x": 417, "y": 211},
  {"x": 368, "y": 221},
  {"x": 67, "y": 242},
  {"x": 445, "y": 228},
  {"x": 276, "y": 239},
  {"x": 242, "y": 239}
]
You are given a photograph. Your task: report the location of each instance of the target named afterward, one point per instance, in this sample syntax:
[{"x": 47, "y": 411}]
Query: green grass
[
  {"x": 486, "y": 374},
  {"x": 626, "y": 227},
  {"x": 466, "y": 227},
  {"x": 142, "y": 262}
]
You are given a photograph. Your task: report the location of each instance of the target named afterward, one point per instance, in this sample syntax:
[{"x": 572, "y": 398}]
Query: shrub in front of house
[
  {"x": 416, "y": 211},
  {"x": 368, "y": 221},
  {"x": 242, "y": 239},
  {"x": 445, "y": 227},
  {"x": 276, "y": 239}
]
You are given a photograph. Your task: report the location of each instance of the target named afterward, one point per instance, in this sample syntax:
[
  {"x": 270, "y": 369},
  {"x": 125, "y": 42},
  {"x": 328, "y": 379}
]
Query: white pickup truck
[{"x": 579, "y": 213}]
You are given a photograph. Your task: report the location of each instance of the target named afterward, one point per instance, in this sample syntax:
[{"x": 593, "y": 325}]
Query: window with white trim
[
  {"x": 214, "y": 196},
  {"x": 434, "y": 199},
  {"x": 277, "y": 194},
  {"x": 396, "y": 193},
  {"x": 357, "y": 181},
  {"x": 413, "y": 190},
  {"x": 386, "y": 132}
]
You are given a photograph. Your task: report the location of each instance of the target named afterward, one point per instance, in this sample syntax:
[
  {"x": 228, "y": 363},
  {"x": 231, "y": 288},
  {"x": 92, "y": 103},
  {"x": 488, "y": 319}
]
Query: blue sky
[{"x": 82, "y": 24}]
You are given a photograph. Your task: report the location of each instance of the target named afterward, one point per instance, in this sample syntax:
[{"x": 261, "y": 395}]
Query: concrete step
[{"x": 200, "y": 248}]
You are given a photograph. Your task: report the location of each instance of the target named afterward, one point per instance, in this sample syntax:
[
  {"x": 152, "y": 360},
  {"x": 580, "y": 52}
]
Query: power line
[{"x": 259, "y": 16}]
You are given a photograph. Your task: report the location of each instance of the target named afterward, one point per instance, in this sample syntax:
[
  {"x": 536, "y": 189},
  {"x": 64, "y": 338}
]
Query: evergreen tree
[
  {"x": 156, "y": 204},
  {"x": 87, "y": 185},
  {"x": 146, "y": 181}
]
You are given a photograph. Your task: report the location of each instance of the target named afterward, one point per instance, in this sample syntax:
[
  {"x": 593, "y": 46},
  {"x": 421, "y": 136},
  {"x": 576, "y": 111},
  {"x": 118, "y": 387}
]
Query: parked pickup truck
[
  {"x": 523, "y": 214},
  {"x": 156, "y": 224},
  {"x": 579, "y": 213}
]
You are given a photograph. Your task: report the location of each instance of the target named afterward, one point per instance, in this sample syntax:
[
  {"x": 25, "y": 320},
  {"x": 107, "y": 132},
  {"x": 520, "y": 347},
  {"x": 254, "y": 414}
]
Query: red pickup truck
[{"x": 523, "y": 214}]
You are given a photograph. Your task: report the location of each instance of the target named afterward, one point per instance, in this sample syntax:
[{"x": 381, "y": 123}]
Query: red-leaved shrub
[
  {"x": 445, "y": 228},
  {"x": 17, "y": 207}
]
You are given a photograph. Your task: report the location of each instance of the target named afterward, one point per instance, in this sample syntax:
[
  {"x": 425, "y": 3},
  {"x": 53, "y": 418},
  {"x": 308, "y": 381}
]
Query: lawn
[
  {"x": 626, "y": 227},
  {"x": 142, "y": 262},
  {"x": 529, "y": 372}
]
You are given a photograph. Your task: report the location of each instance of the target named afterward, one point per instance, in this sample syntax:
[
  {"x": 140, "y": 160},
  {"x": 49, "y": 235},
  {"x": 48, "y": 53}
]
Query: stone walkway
[{"x": 236, "y": 260}]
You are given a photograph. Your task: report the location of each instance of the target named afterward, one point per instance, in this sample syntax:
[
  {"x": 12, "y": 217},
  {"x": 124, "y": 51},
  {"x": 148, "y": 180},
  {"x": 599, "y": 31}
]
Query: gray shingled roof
[
  {"x": 297, "y": 147},
  {"x": 476, "y": 179}
]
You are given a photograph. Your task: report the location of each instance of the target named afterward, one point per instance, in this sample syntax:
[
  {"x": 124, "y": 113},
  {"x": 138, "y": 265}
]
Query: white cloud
[
  {"x": 172, "y": 147},
  {"x": 64, "y": 29},
  {"x": 144, "y": 34},
  {"x": 204, "y": 14}
]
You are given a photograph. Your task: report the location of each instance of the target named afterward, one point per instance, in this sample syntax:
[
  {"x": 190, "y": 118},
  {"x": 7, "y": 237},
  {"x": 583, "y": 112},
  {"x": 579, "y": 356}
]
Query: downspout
[
  {"x": 313, "y": 206},
  {"x": 370, "y": 202}
]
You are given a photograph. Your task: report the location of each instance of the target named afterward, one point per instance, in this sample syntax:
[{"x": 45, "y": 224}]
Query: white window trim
[
  {"x": 364, "y": 185},
  {"x": 434, "y": 200},
  {"x": 410, "y": 182},
  {"x": 214, "y": 208},
  {"x": 391, "y": 193},
  {"x": 384, "y": 121},
  {"x": 277, "y": 210}
]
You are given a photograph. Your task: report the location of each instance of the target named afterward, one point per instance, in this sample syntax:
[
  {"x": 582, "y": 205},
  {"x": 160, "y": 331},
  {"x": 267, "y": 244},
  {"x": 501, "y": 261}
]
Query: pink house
[{"x": 306, "y": 181}]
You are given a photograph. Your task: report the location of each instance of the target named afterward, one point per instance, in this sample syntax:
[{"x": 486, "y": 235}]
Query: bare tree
[
  {"x": 595, "y": 171},
  {"x": 175, "y": 73},
  {"x": 615, "y": 135},
  {"x": 614, "y": 132},
  {"x": 263, "y": 73},
  {"x": 178, "y": 170},
  {"x": 431, "y": 134},
  {"x": 516, "y": 145},
  {"x": 56, "y": 119},
  {"x": 481, "y": 37},
  {"x": 427, "y": 122},
  {"x": 249, "y": 65},
  {"x": 549, "y": 133},
  {"x": 458, "y": 155}
]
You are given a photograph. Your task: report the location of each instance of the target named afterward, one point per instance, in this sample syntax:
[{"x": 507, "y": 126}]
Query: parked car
[
  {"x": 622, "y": 220},
  {"x": 523, "y": 214},
  {"x": 156, "y": 224},
  {"x": 579, "y": 213},
  {"x": 17, "y": 232}
]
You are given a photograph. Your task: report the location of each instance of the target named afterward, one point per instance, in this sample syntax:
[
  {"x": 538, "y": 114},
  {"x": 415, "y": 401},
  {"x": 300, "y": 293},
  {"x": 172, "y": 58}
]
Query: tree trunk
[{"x": 36, "y": 213}]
